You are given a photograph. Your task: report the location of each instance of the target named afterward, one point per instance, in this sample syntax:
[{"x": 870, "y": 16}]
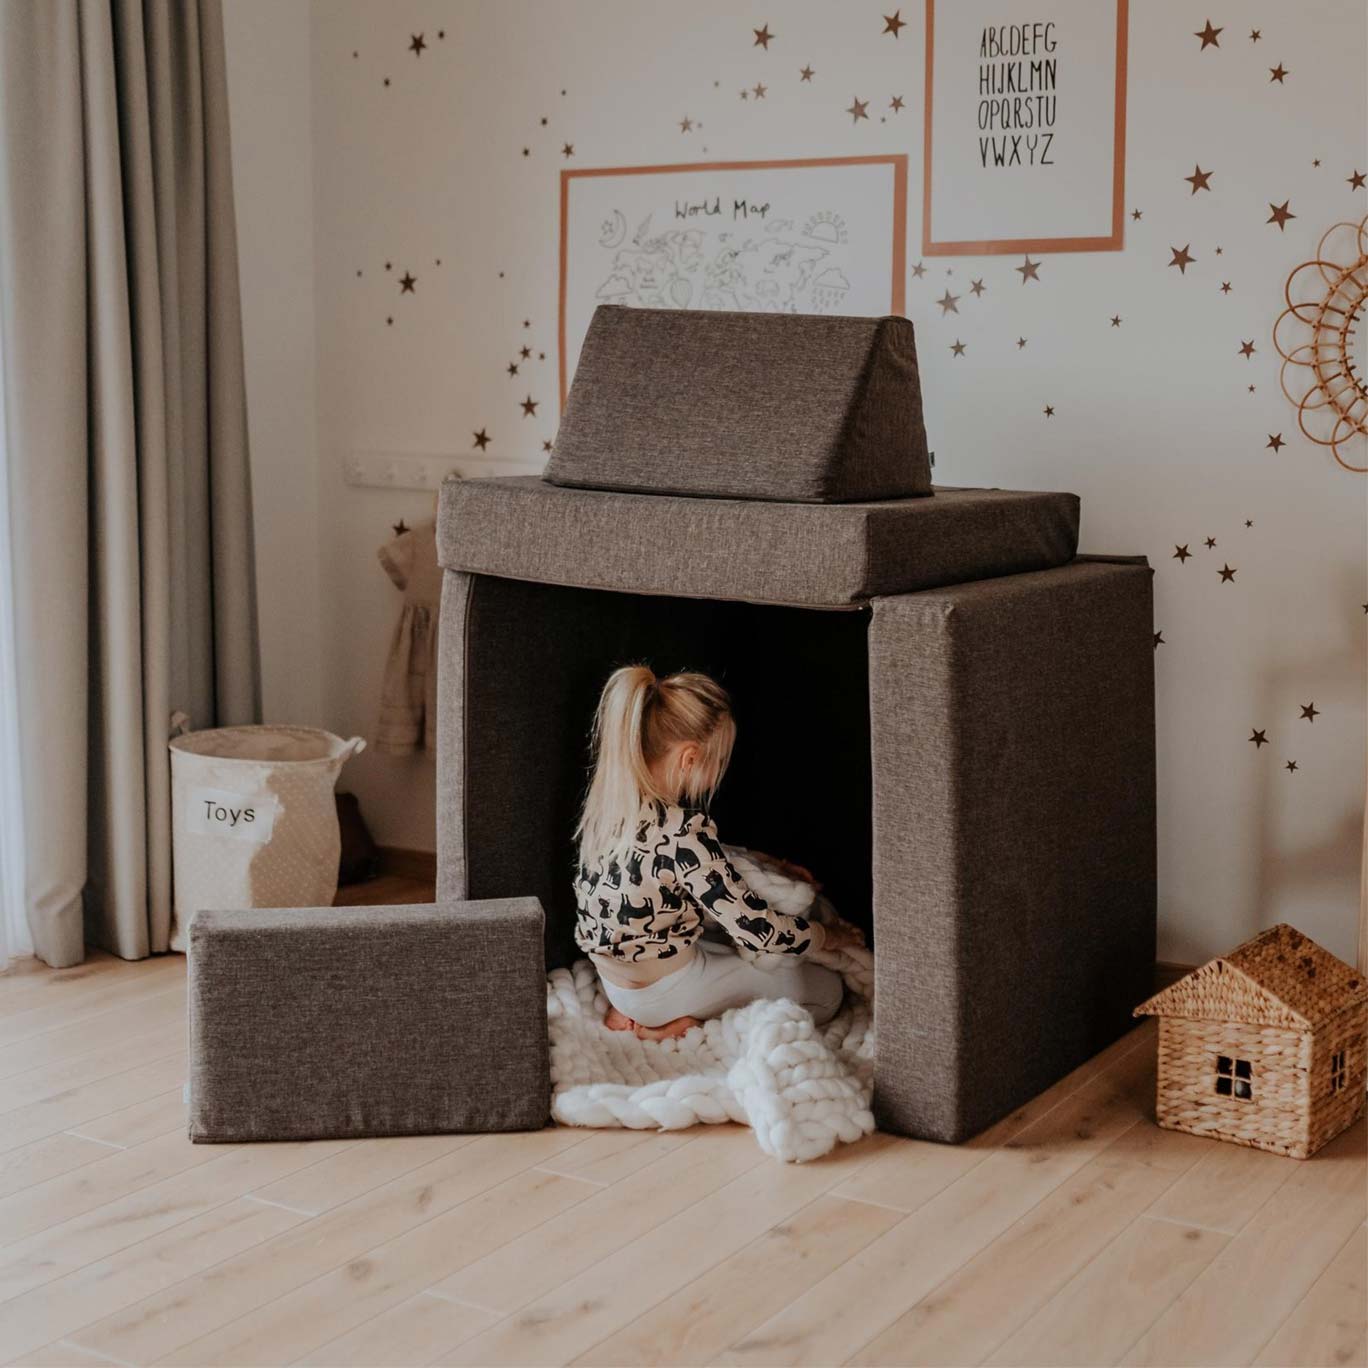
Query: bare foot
[
  {"x": 671, "y": 1030},
  {"x": 615, "y": 1021}
]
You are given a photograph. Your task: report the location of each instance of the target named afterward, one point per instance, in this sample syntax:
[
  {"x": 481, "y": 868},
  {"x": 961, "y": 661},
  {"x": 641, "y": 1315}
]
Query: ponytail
[{"x": 637, "y": 720}]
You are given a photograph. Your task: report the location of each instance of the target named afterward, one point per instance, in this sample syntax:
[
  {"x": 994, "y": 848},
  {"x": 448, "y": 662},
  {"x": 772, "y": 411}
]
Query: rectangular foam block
[
  {"x": 811, "y": 555},
  {"x": 795, "y": 407},
  {"x": 316, "y": 1023}
]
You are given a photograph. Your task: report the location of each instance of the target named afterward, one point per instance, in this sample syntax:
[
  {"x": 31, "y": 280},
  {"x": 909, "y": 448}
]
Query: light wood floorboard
[{"x": 1074, "y": 1231}]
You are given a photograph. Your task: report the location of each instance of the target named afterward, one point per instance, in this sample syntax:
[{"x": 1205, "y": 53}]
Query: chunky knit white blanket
[{"x": 800, "y": 1087}]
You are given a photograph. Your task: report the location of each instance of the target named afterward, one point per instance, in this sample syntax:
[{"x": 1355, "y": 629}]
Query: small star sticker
[
  {"x": 1227, "y": 574},
  {"x": 1048, "y": 410},
  {"x": 482, "y": 439},
  {"x": 1225, "y": 287},
  {"x": 1277, "y": 73},
  {"x": 400, "y": 527},
  {"x": 1251, "y": 389},
  {"x": 807, "y": 73},
  {"x": 512, "y": 368},
  {"x": 1210, "y": 543},
  {"x": 1275, "y": 441},
  {"x": 1259, "y": 738},
  {"x": 1137, "y": 214},
  {"x": 1219, "y": 250},
  {"x": 893, "y": 22},
  {"x": 406, "y": 282},
  {"x": 977, "y": 287},
  {"x": 1182, "y": 258},
  {"x": 1159, "y": 640},
  {"x": 441, "y": 33},
  {"x": 857, "y": 109},
  {"x": 567, "y": 149},
  {"x": 389, "y": 322},
  {"x": 416, "y": 44},
  {"x": 1309, "y": 711},
  {"x": 546, "y": 446},
  {"x": 1116, "y": 320},
  {"x": 525, "y": 352},
  {"x": 762, "y": 37},
  {"x": 958, "y": 347},
  {"x": 1247, "y": 349},
  {"x": 1021, "y": 342},
  {"x": 1209, "y": 36},
  {"x": 685, "y": 124},
  {"x": 949, "y": 303},
  {"x": 1249, "y": 522},
  {"x": 527, "y": 151},
  {"x": 529, "y": 407},
  {"x": 1199, "y": 180},
  {"x": 759, "y": 90},
  {"x": 527, "y": 322},
  {"x": 1291, "y": 767},
  {"x": 1315, "y": 161},
  {"x": 896, "y": 104},
  {"x": 918, "y": 271},
  {"x": 1280, "y": 214},
  {"x": 745, "y": 94},
  {"x": 1358, "y": 180},
  {"x": 1029, "y": 270},
  {"x": 1254, "y": 35},
  {"x": 1180, "y": 554},
  {"x": 386, "y": 81}
]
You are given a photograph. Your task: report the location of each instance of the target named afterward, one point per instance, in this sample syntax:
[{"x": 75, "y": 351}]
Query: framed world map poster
[
  {"x": 1025, "y": 126},
  {"x": 814, "y": 235}
]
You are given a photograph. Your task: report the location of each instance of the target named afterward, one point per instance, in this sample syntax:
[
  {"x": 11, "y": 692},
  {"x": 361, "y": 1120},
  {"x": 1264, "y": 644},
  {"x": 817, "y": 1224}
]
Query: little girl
[{"x": 651, "y": 865}]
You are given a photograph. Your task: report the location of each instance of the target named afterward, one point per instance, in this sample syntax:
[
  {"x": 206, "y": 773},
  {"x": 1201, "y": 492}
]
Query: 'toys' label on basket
[{"x": 240, "y": 816}]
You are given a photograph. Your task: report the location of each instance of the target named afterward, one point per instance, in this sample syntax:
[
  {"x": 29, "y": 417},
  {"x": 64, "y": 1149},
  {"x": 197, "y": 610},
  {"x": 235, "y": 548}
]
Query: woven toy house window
[
  {"x": 1234, "y": 1077},
  {"x": 1338, "y": 1070}
]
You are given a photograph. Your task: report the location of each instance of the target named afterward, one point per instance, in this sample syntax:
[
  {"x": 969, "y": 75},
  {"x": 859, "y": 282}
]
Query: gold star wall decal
[
  {"x": 949, "y": 303},
  {"x": 762, "y": 37},
  {"x": 958, "y": 348},
  {"x": 807, "y": 73},
  {"x": 400, "y": 527},
  {"x": 1280, "y": 213},
  {"x": 1159, "y": 640},
  {"x": 1182, "y": 258},
  {"x": 896, "y": 104},
  {"x": 977, "y": 287},
  {"x": 482, "y": 439},
  {"x": 1029, "y": 270},
  {"x": 416, "y": 44},
  {"x": 1180, "y": 554},
  {"x": 1137, "y": 214},
  {"x": 1275, "y": 441},
  {"x": 1021, "y": 342},
  {"x": 857, "y": 109},
  {"x": 1199, "y": 180},
  {"x": 1247, "y": 349},
  {"x": 1258, "y": 738},
  {"x": 1210, "y": 543},
  {"x": 918, "y": 270},
  {"x": 685, "y": 124},
  {"x": 406, "y": 282},
  {"x": 1048, "y": 410},
  {"x": 567, "y": 149},
  {"x": 1227, "y": 574},
  {"x": 759, "y": 90},
  {"x": 1254, "y": 35},
  {"x": 1116, "y": 320},
  {"x": 1225, "y": 287},
  {"x": 1291, "y": 767},
  {"x": 512, "y": 368},
  {"x": 1277, "y": 73},
  {"x": 893, "y": 22},
  {"x": 1209, "y": 36},
  {"x": 1309, "y": 711},
  {"x": 1358, "y": 180},
  {"x": 529, "y": 407}
]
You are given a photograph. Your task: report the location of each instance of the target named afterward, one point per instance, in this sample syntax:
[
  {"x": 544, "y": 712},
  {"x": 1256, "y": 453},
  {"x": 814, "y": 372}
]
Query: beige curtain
[{"x": 125, "y": 442}]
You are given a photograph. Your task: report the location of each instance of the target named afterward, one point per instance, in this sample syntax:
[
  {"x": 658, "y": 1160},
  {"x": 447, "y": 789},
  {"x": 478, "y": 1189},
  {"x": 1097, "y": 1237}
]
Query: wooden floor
[{"x": 1075, "y": 1232}]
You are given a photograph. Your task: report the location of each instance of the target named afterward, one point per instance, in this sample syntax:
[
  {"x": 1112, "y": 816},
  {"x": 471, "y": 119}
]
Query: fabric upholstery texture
[
  {"x": 312, "y": 1023},
  {"x": 795, "y": 407},
  {"x": 1014, "y": 836},
  {"x": 784, "y": 553}
]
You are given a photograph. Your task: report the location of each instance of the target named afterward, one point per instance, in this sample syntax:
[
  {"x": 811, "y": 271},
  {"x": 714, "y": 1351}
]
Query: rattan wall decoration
[{"x": 1320, "y": 337}]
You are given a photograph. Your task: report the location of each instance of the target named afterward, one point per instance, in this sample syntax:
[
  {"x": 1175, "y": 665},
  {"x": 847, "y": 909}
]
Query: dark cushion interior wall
[{"x": 800, "y": 781}]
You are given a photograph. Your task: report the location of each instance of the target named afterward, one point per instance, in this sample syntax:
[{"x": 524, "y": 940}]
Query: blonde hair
[{"x": 639, "y": 718}]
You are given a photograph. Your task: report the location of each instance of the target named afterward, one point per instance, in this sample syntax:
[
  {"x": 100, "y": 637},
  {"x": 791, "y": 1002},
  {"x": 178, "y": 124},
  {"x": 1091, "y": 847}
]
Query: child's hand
[{"x": 841, "y": 935}]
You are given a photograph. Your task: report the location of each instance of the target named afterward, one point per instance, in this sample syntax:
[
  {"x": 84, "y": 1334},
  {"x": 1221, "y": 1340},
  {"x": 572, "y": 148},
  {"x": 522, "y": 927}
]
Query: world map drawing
[{"x": 780, "y": 266}]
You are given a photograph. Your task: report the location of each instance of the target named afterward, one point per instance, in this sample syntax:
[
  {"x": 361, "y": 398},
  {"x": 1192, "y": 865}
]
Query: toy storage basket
[{"x": 254, "y": 820}]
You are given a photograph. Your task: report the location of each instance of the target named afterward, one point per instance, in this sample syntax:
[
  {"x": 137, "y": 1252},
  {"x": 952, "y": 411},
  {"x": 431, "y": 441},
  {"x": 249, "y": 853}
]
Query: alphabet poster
[
  {"x": 1025, "y": 126},
  {"x": 817, "y": 235}
]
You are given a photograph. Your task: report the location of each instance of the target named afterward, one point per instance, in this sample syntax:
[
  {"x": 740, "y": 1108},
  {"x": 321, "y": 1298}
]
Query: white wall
[
  {"x": 268, "y": 47},
  {"x": 1154, "y": 423}
]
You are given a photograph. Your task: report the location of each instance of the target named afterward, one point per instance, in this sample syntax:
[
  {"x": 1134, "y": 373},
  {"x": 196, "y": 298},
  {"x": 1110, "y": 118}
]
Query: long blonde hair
[{"x": 639, "y": 718}]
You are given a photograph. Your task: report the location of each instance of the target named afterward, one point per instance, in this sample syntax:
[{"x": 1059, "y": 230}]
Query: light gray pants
[{"x": 717, "y": 978}]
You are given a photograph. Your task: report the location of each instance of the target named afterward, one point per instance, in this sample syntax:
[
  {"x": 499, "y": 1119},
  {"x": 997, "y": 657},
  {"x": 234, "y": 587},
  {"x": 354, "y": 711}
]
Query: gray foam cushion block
[
  {"x": 794, "y": 407},
  {"x": 809, "y": 555},
  {"x": 314, "y": 1023}
]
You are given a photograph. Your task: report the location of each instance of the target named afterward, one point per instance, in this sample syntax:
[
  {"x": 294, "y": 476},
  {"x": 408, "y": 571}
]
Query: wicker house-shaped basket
[{"x": 1263, "y": 1046}]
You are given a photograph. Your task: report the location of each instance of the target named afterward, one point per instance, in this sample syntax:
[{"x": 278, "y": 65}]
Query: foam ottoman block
[
  {"x": 800, "y": 408},
  {"x": 338, "y": 1022}
]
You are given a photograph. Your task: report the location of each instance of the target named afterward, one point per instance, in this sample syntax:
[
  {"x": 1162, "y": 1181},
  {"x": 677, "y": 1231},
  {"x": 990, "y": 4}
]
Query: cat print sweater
[{"x": 648, "y": 904}]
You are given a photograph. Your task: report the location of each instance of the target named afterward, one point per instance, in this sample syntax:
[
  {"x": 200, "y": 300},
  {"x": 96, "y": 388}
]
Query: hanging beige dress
[{"x": 408, "y": 696}]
